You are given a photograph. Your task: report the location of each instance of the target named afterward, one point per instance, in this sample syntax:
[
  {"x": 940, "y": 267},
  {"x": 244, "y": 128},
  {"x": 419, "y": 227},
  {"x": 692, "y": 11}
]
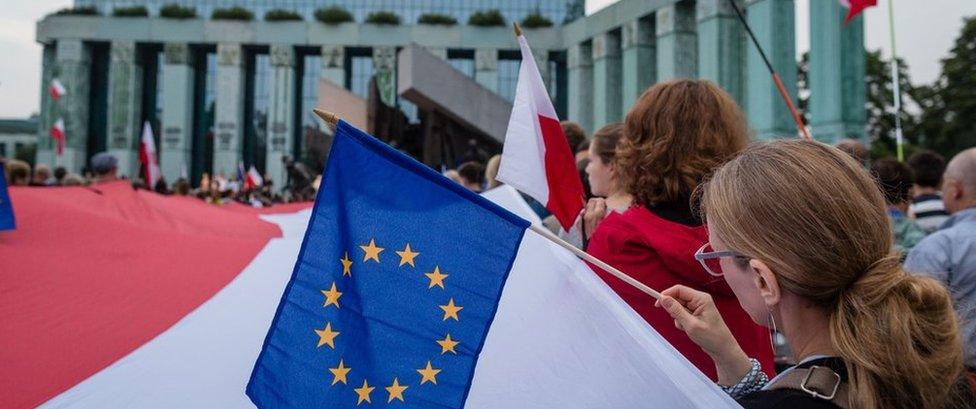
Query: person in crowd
[
  {"x": 895, "y": 180},
  {"x": 453, "y": 175},
  {"x": 18, "y": 172},
  {"x": 42, "y": 175},
  {"x": 675, "y": 134},
  {"x": 105, "y": 167},
  {"x": 866, "y": 334},
  {"x": 927, "y": 207},
  {"x": 59, "y": 173},
  {"x": 855, "y": 149},
  {"x": 949, "y": 254},
  {"x": 181, "y": 187},
  {"x": 601, "y": 174},
  {"x": 472, "y": 176},
  {"x": 575, "y": 134},
  {"x": 73, "y": 179},
  {"x": 491, "y": 172},
  {"x": 161, "y": 187}
]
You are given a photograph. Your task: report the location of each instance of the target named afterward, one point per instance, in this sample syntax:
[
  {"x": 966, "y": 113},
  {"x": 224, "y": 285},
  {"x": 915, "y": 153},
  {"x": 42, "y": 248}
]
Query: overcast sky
[{"x": 926, "y": 30}]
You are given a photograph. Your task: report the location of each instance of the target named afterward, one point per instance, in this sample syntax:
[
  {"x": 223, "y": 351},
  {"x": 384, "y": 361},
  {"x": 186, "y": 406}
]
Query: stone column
[
  {"x": 439, "y": 52},
  {"x": 580, "y": 66},
  {"x": 281, "y": 111},
  {"x": 486, "y": 68},
  {"x": 639, "y": 64},
  {"x": 230, "y": 109},
  {"x": 837, "y": 88},
  {"x": 606, "y": 79},
  {"x": 384, "y": 71},
  {"x": 721, "y": 47},
  {"x": 176, "y": 144},
  {"x": 333, "y": 64},
  {"x": 46, "y": 118},
  {"x": 124, "y": 107},
  {"x": 677, "y": 42},
  {"x": 772, "y": 22},
  {"x": 74, "y": 71}
]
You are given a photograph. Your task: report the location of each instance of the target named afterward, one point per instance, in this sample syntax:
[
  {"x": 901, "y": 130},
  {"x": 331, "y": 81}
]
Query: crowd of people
[
  {"x": 217, "y": 189},
  {"x": 867, "y": 271}
]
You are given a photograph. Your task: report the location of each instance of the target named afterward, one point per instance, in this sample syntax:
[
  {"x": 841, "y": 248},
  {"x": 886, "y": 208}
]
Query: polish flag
[
  {"x": 854, "y": 7},
  {"x": 147, "y": 156},
  {"x": 57, "y": 89},
  {"x": 537, "y": 158},
  {"x": 253, "y": 178},
  {"x": 57, "y": 132}
]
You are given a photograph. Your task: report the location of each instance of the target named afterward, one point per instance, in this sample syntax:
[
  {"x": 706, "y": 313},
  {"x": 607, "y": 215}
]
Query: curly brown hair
[{"x": 677, "y": 133}]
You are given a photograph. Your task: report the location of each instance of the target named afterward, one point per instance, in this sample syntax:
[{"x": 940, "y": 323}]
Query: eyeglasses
[{"x": 709, "y": 258}]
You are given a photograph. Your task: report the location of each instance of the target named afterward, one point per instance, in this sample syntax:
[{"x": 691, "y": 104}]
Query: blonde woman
[{"x": 865, "y": 333}]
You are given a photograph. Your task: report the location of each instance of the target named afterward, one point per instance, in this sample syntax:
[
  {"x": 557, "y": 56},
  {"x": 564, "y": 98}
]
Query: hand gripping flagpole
[
  {"x": 804, "y": 132},
  {"x": 332, "y": 121}
]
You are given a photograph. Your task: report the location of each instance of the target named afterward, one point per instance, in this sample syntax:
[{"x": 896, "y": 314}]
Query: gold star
[
  {"x": 339, "y": 373},
  {"x": 346, "y": 265},
  {"x": 451, "y": 310},
  {"x": 428, "y": 374},
  {"x": 332, "y": 296},
  {"x": 436, "y": 278},
  {"x": 327, "y": 336},
  {"x": 372, "y": 252},
  {"x": 395, "y": 390},
  {"x": 407, "y": 256},
  {"x": 364, "y": 392},
  {"x": 448, "y": 344}
]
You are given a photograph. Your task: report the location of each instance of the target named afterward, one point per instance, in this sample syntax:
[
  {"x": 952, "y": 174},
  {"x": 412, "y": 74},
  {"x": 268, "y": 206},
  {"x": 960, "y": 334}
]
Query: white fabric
[
  {"x": 509, "y": 198},
  {"x": 149, "y": 150},
  {"x": 523, "y": 162}
]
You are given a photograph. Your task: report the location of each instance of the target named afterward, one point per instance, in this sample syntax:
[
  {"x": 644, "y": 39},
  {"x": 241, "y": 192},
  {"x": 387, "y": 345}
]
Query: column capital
[
  {"x": 485, "y": 59},
  {"x": 71, "y": 50},
  {"x": 606, "y": 45},
  {"x": 282, "y": 55},
  {"x": 579, "y": 55},
  {"x": 715, "y": 8},
  {"x": 176, "y": 53},
  {"x": 123, "y": 51},
  {"x": 675, "y": 18},
  {"x": 636, "y": 33},
  {"x": 333, "y": 56},
  {"x": 229, "y": 54},
  {"x": 384, "y": 58}
]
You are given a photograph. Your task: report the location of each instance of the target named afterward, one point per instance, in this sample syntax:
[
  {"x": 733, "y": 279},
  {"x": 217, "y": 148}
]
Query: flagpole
[
  {"x": 896, "y": 87},
  {"x": 772, "y": 71},
  {"x": 331, "y": 120}
]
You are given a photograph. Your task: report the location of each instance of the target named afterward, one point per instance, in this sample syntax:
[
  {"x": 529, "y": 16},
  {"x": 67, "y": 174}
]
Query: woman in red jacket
[{"x": 676, "y": 133}]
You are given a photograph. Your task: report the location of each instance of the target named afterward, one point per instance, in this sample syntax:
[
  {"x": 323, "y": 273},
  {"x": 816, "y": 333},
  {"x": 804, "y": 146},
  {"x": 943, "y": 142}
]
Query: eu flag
[
  {"x": 6, "y": 208},
  {"x": 396, "y": 284}
]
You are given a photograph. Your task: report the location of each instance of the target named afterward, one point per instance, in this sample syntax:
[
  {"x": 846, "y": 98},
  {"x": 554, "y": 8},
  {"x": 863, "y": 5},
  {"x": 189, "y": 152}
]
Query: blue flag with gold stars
[
  {"x": 6, "y": 208},
  {"x": 396, "y": 284}
]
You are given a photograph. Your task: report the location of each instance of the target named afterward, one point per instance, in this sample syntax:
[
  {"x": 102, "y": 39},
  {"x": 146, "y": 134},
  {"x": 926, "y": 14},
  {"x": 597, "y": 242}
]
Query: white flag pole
[{"x": 899, "y": 139}]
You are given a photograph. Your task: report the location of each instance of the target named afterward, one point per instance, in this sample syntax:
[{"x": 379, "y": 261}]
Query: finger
[{"x": 676, "y": 310}]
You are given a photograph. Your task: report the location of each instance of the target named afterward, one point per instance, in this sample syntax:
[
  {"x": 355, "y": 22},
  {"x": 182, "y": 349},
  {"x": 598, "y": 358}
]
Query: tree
[
  {"x": 948, "y": 121},
  {"x": 880, "y": 106}
]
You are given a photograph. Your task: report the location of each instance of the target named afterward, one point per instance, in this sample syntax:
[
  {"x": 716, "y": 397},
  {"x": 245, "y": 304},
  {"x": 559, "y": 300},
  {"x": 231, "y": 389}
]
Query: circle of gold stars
[{"x": 327, "y": 335}]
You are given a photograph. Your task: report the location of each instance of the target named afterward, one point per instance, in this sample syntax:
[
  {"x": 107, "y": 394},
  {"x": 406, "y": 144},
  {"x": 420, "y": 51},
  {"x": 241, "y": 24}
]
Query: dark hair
[
  {"x": 575, "y": 134},
  {"x": 894, "y": 179},
  {"x": 472, "y": 172},
  {"x": 605, "y": 141},
  {"x": 583, "y": 146},
  {"x": 927, "y": 167},
  {"x": 60, "y": 172}
]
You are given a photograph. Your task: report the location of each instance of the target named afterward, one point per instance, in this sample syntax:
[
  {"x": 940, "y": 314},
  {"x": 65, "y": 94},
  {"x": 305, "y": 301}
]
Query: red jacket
[{"x": 660, "y": 254}]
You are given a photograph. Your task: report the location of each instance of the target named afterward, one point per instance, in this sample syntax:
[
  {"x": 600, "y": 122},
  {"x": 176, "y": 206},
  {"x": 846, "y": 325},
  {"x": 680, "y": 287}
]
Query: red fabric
[
  {"x": 858, "y": 6},
  {"x": 660, "y": 254},
  {"x": 565, "y": 186},
  {"x": 92, "y": 273},
  {"x": 57, "y": 132}
]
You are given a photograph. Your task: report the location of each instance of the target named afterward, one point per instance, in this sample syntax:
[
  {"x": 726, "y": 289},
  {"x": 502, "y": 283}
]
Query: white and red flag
[
  {"x": 57, "y": 89},
  {"x": 147, "y": 156},
  {"x": 57, "y": 132},
  {"x": 253, "y": 178},
  {"x": 855, "y": 7},
  {"x": 537, "y": 158}
]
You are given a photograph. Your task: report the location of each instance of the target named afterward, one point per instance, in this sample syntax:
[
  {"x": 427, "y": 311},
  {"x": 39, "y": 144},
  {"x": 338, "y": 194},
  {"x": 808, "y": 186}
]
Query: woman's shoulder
[{"x": 783, "y": 398}]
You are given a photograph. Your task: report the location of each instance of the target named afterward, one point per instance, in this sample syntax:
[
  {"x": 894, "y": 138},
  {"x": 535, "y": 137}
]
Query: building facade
[
  {"x": 17, "y": 137},
  {"x": 222, "y": 92}
]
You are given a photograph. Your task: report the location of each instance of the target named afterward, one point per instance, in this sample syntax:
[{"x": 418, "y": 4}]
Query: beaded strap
[{"x": 752, "y": 382}]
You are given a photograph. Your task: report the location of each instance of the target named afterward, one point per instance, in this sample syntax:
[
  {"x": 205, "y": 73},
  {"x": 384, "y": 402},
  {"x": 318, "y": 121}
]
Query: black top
[
  {"x": 795, "y": 398},
  {"x": 678, "y": 212}
]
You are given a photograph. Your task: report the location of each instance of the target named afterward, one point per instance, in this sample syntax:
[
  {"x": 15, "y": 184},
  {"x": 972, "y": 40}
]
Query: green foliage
[
  {"x": 134, "y": 11},
  {"x": 437, "y": 19},
  {"x": 176, "y": 11},
  {"x": 78, "y": 11},
  {"x": 333, "y": 15},
  {"x": 948, "y": 120},
  {"x": 488, "y": 18},
  {"x": 233, "y": 13},
  {"x": 880, "y": 106},
  {"x": 383, "y": 17},
  {"x": 282, "y": 15},
  {"x": 536, "y": 20}
]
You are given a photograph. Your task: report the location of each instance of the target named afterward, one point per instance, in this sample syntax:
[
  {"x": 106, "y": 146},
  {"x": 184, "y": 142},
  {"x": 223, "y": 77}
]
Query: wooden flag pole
[{"x": 332, "y": 120}]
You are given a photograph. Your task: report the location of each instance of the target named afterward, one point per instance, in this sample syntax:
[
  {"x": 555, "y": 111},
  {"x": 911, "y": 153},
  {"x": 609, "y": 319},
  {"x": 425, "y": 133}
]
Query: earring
[{"x": 772, "y": 331}]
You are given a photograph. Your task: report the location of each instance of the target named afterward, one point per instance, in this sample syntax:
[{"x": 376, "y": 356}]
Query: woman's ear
[{"x": 766, "y": 282}]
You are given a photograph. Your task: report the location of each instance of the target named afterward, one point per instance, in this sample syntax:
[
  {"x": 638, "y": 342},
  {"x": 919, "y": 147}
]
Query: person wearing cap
[{"x": 105, "y": 166}]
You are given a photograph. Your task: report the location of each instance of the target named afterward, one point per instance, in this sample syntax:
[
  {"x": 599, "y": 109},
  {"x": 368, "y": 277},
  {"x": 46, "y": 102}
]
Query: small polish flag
[
  {"x": 253, "y": 178},
  {"x": 57, "y": 89},
  {"x": 537, "y": 158},
  {"x": 854, "y": 7},
  {"x": 147, "y": 156},
  {"x": 57, "y": 132}
]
